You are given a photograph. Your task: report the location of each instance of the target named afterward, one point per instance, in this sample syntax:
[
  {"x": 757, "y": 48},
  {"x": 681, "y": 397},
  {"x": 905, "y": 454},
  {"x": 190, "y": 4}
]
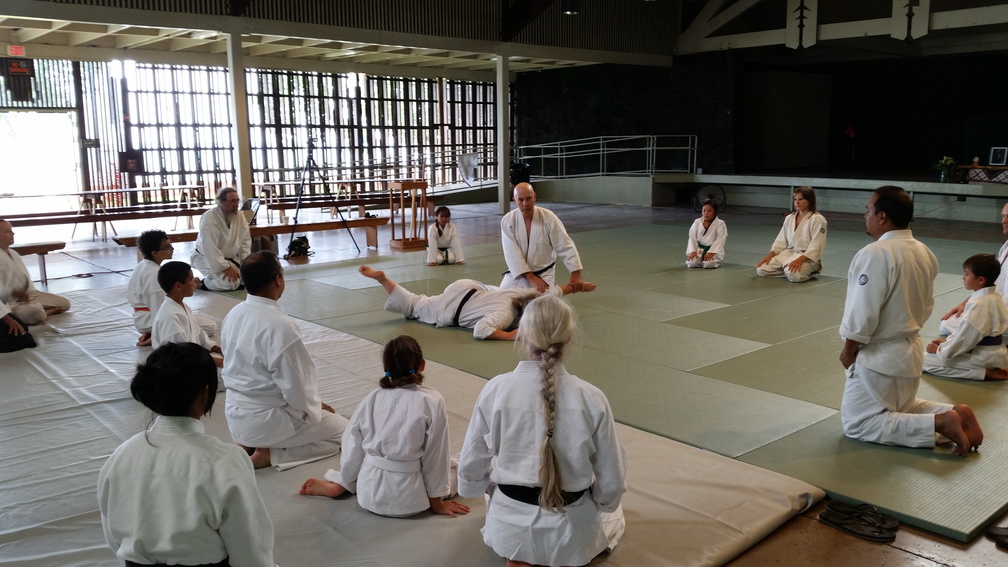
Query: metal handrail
[
  {"x": 439, "y": 168},
  {"x": 611, "y": 155}
]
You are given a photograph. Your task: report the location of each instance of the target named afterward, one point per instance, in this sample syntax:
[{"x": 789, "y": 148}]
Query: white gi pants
[
  {"x": 211, "y": 281},
  {"x": 698, "y": 262},
  {"x": 777, "y": 267},
  {"x": 885, "y": 409},
  {"x": 33, "y": 311},
  {"x": 445, "y": 256},
  {"x": 310, "y": 442}
]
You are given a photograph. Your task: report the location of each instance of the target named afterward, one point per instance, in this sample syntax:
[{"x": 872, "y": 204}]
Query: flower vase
[{"x": 944, "y": 177}]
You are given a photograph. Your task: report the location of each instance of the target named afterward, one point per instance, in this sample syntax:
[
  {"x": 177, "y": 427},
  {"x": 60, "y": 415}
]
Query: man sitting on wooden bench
[
  {"x": 223, "y": 243},
  {"x": 26, "y": 303}
]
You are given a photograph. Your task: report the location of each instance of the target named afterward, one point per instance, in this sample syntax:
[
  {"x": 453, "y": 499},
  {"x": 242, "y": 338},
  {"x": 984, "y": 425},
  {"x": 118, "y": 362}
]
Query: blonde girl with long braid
[{"x": 543, "y": 444}]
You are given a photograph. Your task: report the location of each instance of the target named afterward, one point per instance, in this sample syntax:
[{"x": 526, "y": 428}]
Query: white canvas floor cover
[{"x": 66, "y": 406}]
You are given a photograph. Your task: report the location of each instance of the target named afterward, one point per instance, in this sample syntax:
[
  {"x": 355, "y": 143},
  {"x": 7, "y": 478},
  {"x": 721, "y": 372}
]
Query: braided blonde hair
[{"x": 546, "y": 327}]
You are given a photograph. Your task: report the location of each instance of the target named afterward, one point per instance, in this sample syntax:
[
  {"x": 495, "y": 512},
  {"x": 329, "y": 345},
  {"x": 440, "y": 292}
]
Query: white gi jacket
[
  {"x": 448, "y": 239},
  {"x": 488, "y": 310},
  {"x": 396, "y": 451},
  {"x": 502, "y": 445},
  {"x": 176, "y": 323},
  {"x": 890, "y": 295},
  {"x": 269, "y": 375},
  {"x": 144, "y": 294},
  {"x": 808, "y": 239},
  {"x": 948, "y": 326},
  {"x": 713, "y": 237},
  {"x": 985, "y": 315},
  {"x": 183, "y": 497},
  {"x": 217, "y": 241},
  {"x": 547, "y": 241}
]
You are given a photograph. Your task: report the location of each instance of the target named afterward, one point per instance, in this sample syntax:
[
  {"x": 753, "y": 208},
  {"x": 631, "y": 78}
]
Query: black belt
[
  {"x": 995, "y": 340},
  {"x": 530, "y": 494},
  {"x": 537, "y": 272},
  {"x": 221, "y": 563},
  {"x": 458, "y": 312}
]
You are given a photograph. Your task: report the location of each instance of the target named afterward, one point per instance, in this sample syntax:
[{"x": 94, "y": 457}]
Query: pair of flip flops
[
  {"x": 861, "y": 520},
  {"x": 999, "y": 535}
]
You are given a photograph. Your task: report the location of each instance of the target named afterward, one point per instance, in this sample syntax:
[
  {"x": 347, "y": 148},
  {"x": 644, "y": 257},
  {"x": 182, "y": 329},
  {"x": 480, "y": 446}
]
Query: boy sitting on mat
[
  {"x": 975, "y": 350},
  {"x": 174, "y": 322}
]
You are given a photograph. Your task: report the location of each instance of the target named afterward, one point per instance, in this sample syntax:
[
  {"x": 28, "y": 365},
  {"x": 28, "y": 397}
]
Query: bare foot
[
  {"x": 260, "y": 458},
  {"x": 950, "y": 425},
  {"x": 969, "y": 424},
  {"x": 144, "y": 340},
  {"x": 996, "y": 374},
  {"x": 320, "y": 487},
  {"x": 369, "y": 272},
  {"x": 428, "y": 263},
  {"x": 588, "y": 286}
]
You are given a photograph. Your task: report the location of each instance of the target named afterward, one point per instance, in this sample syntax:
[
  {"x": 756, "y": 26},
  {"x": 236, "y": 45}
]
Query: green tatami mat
[
  {"x": 806, "y": 368},
  {"x": 711, "y": 414},
  {"x": 930, "y": 489},
  {"x": 803, "y": 313}
]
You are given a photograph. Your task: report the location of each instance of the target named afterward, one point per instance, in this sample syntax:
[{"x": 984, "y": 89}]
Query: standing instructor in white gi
[
  {"x": 223, "y": 242},
  {"x": 890, "y": 294},
  {"x": 533, "y": 238}
]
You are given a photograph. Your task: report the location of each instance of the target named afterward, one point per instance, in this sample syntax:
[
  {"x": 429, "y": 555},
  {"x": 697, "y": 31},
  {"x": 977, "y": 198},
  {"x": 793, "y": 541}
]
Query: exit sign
[{"x": 15, "y": 51}]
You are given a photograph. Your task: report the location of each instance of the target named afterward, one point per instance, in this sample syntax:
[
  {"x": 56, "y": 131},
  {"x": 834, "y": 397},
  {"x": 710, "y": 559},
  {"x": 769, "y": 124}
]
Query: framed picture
[{"x": 998, "y": 156}]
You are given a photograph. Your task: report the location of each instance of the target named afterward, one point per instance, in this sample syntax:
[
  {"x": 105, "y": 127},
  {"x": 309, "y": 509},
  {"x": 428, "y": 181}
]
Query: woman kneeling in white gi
[{"x": 548, "y": 441}]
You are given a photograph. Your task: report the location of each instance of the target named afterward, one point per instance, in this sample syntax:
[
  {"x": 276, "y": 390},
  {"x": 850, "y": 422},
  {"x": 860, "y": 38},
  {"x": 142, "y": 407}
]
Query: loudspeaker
[{"x": 521, "y": 172}]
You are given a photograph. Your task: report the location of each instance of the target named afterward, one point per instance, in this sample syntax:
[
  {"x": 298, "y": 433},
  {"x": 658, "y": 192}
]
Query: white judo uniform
[
  {"x": 537, "y": 250},
  {"x": 146, "y": 297},
  {"x": 396, "y": 451},
  {"x": 15, "y": 277},
  {"x": 960, "y": 356},
  {"x": 808, "y": 239},
  {"x": 890, "y": 295},
  {"x": 217, "y": 245},
  {"x": 707, "y": 240},
  {"x": 948, "y": 326},
  {"x": 487, "y": 310},
  {"x": 502, "y": 446},
  {"x": 176, "y": 323},
  {"x": 147, "y": 494},
  {"x": 444, "y": 247},
  {"x": 272, "y": 398},
  {"x": 144, "y": 294}
]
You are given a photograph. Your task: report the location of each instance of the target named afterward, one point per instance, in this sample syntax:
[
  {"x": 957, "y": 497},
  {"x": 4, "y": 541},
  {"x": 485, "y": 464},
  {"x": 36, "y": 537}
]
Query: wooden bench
[
  {"x": 111, "y": 215},
  {"x": 370, "y": 225},
  {"x": 40, "y": 249},
  {"x": 333, "y": 201}
]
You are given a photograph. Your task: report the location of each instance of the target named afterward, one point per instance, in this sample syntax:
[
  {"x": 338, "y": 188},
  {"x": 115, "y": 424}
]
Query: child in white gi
[
  {"x": 395, "y": 449},
  {"x": 975, "y": 349},
  {"x": 443, "y": 244},
  {"x": 172, "y": 494},
  {"x": 174, "y": 322},
  {"x": 143, "y": 292},
  {"x": 707, "y": 236}
]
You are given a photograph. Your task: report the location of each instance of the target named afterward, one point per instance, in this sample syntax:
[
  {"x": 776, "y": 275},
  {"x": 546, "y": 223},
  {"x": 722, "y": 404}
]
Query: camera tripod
[{"x": 310, "y": 166}]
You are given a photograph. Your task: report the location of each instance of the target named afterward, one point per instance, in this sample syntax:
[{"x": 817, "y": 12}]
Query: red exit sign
[{"x": 15, "y": 51}]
